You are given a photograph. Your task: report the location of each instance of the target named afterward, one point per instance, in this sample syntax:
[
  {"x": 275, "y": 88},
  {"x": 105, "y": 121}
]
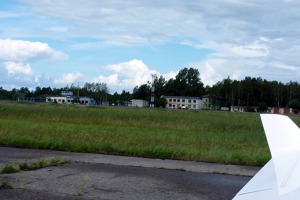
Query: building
[
  {"x": 139, "y": 103},
  {"x": 239, "y": 109},
  {"x": 206, "y": 102},
  {"x": 68, "y": 98},
  {"x": 67, "y": 93},
  {"x": 212, "y": 102},
  {"x": 31, "y": 99},
  {"x": 87, "y": 101},
  {"x": 182, "y": 102},
  {"x": 276, "y": 110}
]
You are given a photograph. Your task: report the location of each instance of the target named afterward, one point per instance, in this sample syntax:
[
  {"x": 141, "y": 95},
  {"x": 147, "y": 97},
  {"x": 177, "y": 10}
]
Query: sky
[{"x": 58, "y": 43}]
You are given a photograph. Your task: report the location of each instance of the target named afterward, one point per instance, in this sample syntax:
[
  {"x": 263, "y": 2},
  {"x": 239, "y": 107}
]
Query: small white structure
[
  {"x": 87, "y": 101},
  {"x": 57, "y": 99},
  {"x": 139, "y": 103},
  {"x": 181, "y": 102},
  {"x": 67, "y": 93},
  {"x": 68, "y": 98}
]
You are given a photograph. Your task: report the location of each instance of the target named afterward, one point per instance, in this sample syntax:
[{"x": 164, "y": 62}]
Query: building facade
[
  {"x": 139, "y": 103},
  {"x": 181, "y": 102},
  {"x": 68, "y": 98},
  {"x": 206, "y": 104}
]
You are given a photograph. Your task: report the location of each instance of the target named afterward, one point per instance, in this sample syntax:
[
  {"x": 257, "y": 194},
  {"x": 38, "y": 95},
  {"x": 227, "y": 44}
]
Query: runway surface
[{"x": 92, "y": 180}]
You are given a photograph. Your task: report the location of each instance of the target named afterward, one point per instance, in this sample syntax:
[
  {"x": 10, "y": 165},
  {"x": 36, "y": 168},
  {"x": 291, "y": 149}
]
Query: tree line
[{"x": 249, "y": 92}]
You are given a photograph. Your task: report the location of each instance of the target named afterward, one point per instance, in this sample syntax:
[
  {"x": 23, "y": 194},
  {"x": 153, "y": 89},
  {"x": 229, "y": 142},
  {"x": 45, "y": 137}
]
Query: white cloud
[
  {"x": 17, "y": 68},
  {"x": 69, "y": 78},
  {"x": 26, "y": 51},
  {"x": 126, "y": 75},
  {"x": 112, "y": 80},
  {"x": 286, "y": 67},
  {"x": 170, "y": 75},
  {"x": 209, "y": 76}
]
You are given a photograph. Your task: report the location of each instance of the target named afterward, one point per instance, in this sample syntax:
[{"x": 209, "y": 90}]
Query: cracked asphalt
[{"x": 96, "y": 176}]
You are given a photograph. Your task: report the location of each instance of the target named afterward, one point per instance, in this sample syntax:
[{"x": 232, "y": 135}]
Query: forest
[{"x": 249, "y": 92}]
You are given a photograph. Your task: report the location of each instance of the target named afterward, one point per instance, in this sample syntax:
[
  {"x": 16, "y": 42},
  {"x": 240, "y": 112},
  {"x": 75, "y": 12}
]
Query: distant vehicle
[{"x": 279, "y": 179}]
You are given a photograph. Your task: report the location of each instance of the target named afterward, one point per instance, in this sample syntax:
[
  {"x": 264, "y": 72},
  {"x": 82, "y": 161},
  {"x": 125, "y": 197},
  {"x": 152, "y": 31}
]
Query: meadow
[{"x": 223, "y": 137}]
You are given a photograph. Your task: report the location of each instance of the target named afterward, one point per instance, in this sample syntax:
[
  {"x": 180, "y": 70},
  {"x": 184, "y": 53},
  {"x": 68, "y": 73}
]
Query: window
[
  {"x": 170, "y": 100},
  {"x": 183, "y": 100},
  {"x": 178, "y": 100},
  {"x": 194, "y": 100},
  {"x": 170, "y": 105},
  {"x": 174, "y": 100},
  {"x": 194, "y": 106},
  {"x": 190, "y": 101}
]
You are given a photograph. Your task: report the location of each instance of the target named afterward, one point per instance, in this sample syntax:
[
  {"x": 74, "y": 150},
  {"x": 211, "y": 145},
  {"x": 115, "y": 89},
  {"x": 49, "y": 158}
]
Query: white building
[
  {"x": 139, "y": 103},
  {"x": 67, "y": 93},
  {"x": 68, "y": 98},
  {"x": 57, "y": 99},
  {"x": 181, "y": 102},
  {"x": 87, "y": 101}
]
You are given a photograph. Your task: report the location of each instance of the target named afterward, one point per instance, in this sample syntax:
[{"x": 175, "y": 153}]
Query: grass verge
[{"x": 231, "y": 138}]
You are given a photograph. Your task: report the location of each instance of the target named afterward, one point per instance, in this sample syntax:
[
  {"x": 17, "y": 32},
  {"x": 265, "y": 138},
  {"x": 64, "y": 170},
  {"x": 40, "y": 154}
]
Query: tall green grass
[{"x": 235, "y": 138}]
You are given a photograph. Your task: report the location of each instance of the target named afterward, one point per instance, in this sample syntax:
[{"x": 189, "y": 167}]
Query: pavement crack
[
  {"x": 66, "y": 175},
  {"x": 104, "y": 190}
]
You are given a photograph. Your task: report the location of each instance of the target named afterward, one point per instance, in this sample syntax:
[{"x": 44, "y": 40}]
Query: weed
[
  {"x": 25, "y": 166},
  {"x": 39, "y": 164},
  {"x": 9, "y": 169},
  {"x": 55, "y": 162},
  {"x": 24, "y": 181},
  {"x": 58, "y": 162},
  {"x": 5, "y": 185},
  {"x": 83, "y": 185},
  {"x": 33, "y": 166}
]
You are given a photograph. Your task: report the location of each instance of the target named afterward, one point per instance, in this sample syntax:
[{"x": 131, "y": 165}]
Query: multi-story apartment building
[{"x": 181, "y": 102}]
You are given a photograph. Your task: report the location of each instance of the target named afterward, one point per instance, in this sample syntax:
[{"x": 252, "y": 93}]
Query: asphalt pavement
[{"x": 97, "y": 176}]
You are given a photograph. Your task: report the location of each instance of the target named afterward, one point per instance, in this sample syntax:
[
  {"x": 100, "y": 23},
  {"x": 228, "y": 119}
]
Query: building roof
[{"x": 180, "y": 97}]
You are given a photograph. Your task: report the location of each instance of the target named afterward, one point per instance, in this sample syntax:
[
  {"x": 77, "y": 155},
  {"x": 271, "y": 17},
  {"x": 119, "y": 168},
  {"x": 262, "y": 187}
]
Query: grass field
[{"x": 222, "y": 137}]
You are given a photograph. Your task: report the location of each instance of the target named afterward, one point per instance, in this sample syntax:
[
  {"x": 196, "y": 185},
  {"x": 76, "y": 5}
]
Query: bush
[{"x": 262, "y": 107}]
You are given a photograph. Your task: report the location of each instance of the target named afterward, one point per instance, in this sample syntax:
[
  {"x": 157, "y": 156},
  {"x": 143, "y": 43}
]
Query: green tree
[
  {"x": 142, "y": 92},
  {"x": 262, "y": 107},
  {"x": 162, "y": 102},
  {"x": 295, "y": 104},
  {"x": 160, "y": 88},
  {"x": 186, "y": 83}
]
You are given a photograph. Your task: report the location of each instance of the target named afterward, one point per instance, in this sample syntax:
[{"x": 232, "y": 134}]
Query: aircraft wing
[{"x": 279, "y": 179}]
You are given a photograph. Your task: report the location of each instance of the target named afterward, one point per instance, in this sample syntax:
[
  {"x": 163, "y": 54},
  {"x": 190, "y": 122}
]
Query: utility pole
[
  {"x": 78, "y": 93},
  {"x": 152, "y": 91}
]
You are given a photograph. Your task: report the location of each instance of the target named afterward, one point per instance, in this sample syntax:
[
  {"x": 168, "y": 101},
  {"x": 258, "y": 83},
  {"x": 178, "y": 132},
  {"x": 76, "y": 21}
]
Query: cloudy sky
[{"x": 122, "y": 42}]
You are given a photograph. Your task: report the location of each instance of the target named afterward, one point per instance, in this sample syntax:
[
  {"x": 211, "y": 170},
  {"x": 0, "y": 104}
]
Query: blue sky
[{"x": 59, "y": 42}]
